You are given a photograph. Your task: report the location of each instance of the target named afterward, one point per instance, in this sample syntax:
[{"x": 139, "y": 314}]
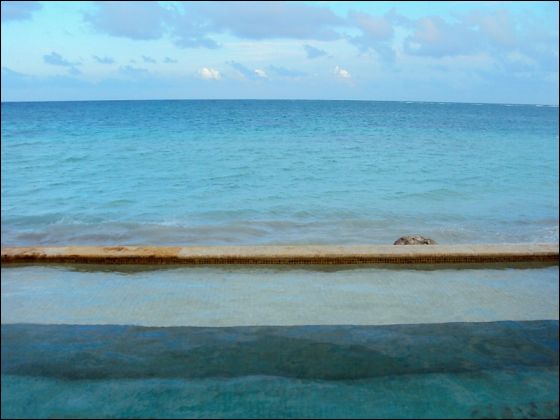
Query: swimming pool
[
  {"x": 143, "y": 341},
  {"x": 126, "y": 341}
]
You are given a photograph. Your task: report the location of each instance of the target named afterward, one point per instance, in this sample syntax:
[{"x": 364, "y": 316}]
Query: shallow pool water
[
  {"x": 461, "y": 370},
  {"x": 265, "y": 342},
  {"x": 236, "y": 296}
]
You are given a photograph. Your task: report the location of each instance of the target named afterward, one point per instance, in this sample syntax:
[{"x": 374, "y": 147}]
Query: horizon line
[{"x": 278, "y": 99}]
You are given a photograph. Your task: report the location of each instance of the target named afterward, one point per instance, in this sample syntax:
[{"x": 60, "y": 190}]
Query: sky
[{"x": 482, "y": 52}]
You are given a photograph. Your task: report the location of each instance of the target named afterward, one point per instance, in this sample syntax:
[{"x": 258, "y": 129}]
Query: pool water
[{"x": 265, "y": 342}]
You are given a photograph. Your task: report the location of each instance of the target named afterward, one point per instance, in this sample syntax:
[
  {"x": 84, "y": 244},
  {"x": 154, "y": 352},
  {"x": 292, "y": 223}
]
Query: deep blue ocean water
[{"x": 252, "y": 172}]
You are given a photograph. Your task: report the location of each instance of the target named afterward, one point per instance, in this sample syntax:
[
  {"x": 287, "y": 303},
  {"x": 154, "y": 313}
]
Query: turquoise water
[
  {"x": 235, "y": 342},
  {"x": 527, "y": 393},
  {"x": 249, "y": 296},
  {"x": 265, "y": 342},
  {"x": 473, "y": 370},
  {"x": 251, "y": 172}
]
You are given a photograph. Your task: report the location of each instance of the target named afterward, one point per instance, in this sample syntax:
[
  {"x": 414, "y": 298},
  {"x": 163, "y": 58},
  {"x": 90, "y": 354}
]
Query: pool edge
[{"x": 287, "y": 254}]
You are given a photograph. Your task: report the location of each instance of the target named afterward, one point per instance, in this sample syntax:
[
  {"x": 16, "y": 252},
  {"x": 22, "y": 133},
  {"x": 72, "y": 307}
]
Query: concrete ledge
[{"x": 299, "y": 254}]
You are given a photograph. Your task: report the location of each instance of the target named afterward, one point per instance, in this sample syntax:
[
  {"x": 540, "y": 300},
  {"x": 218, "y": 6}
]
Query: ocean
[
  {"x": 277, "y": 172},
  {"x": 94, "y": 341}
]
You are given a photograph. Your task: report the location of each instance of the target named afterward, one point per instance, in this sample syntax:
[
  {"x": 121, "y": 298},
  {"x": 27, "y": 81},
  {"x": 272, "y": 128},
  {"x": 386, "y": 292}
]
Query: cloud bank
[{"x": 19, "y": 10}]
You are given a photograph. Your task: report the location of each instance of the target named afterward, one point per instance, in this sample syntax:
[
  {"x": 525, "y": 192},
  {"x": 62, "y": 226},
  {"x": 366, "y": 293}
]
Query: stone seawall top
[{"x": 296, "y": 254}]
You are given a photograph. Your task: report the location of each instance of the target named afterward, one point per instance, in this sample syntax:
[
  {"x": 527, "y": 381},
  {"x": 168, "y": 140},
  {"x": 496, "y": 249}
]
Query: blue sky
[{"x": 503, "y": 52}]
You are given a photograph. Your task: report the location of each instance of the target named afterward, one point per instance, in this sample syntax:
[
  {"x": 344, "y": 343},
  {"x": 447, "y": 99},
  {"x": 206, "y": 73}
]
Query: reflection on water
[{"x": 322, "y": 268}]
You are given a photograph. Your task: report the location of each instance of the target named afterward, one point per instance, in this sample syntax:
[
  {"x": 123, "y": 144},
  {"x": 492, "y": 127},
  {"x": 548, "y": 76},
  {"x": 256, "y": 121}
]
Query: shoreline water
[{"x": 277, "y": 172}]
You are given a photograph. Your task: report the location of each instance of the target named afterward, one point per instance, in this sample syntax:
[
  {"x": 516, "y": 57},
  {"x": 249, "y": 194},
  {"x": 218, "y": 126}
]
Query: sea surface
[{"x": 277, "y": 172}]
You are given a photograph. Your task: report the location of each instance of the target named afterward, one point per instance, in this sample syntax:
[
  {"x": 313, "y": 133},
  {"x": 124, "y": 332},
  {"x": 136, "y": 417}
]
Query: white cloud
[
  {"x": 209, "y": 73},
  {"x": 343, "y": 73},
  {"x": 522, "y": 59},
  {"x": 261, "y": 73}
]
